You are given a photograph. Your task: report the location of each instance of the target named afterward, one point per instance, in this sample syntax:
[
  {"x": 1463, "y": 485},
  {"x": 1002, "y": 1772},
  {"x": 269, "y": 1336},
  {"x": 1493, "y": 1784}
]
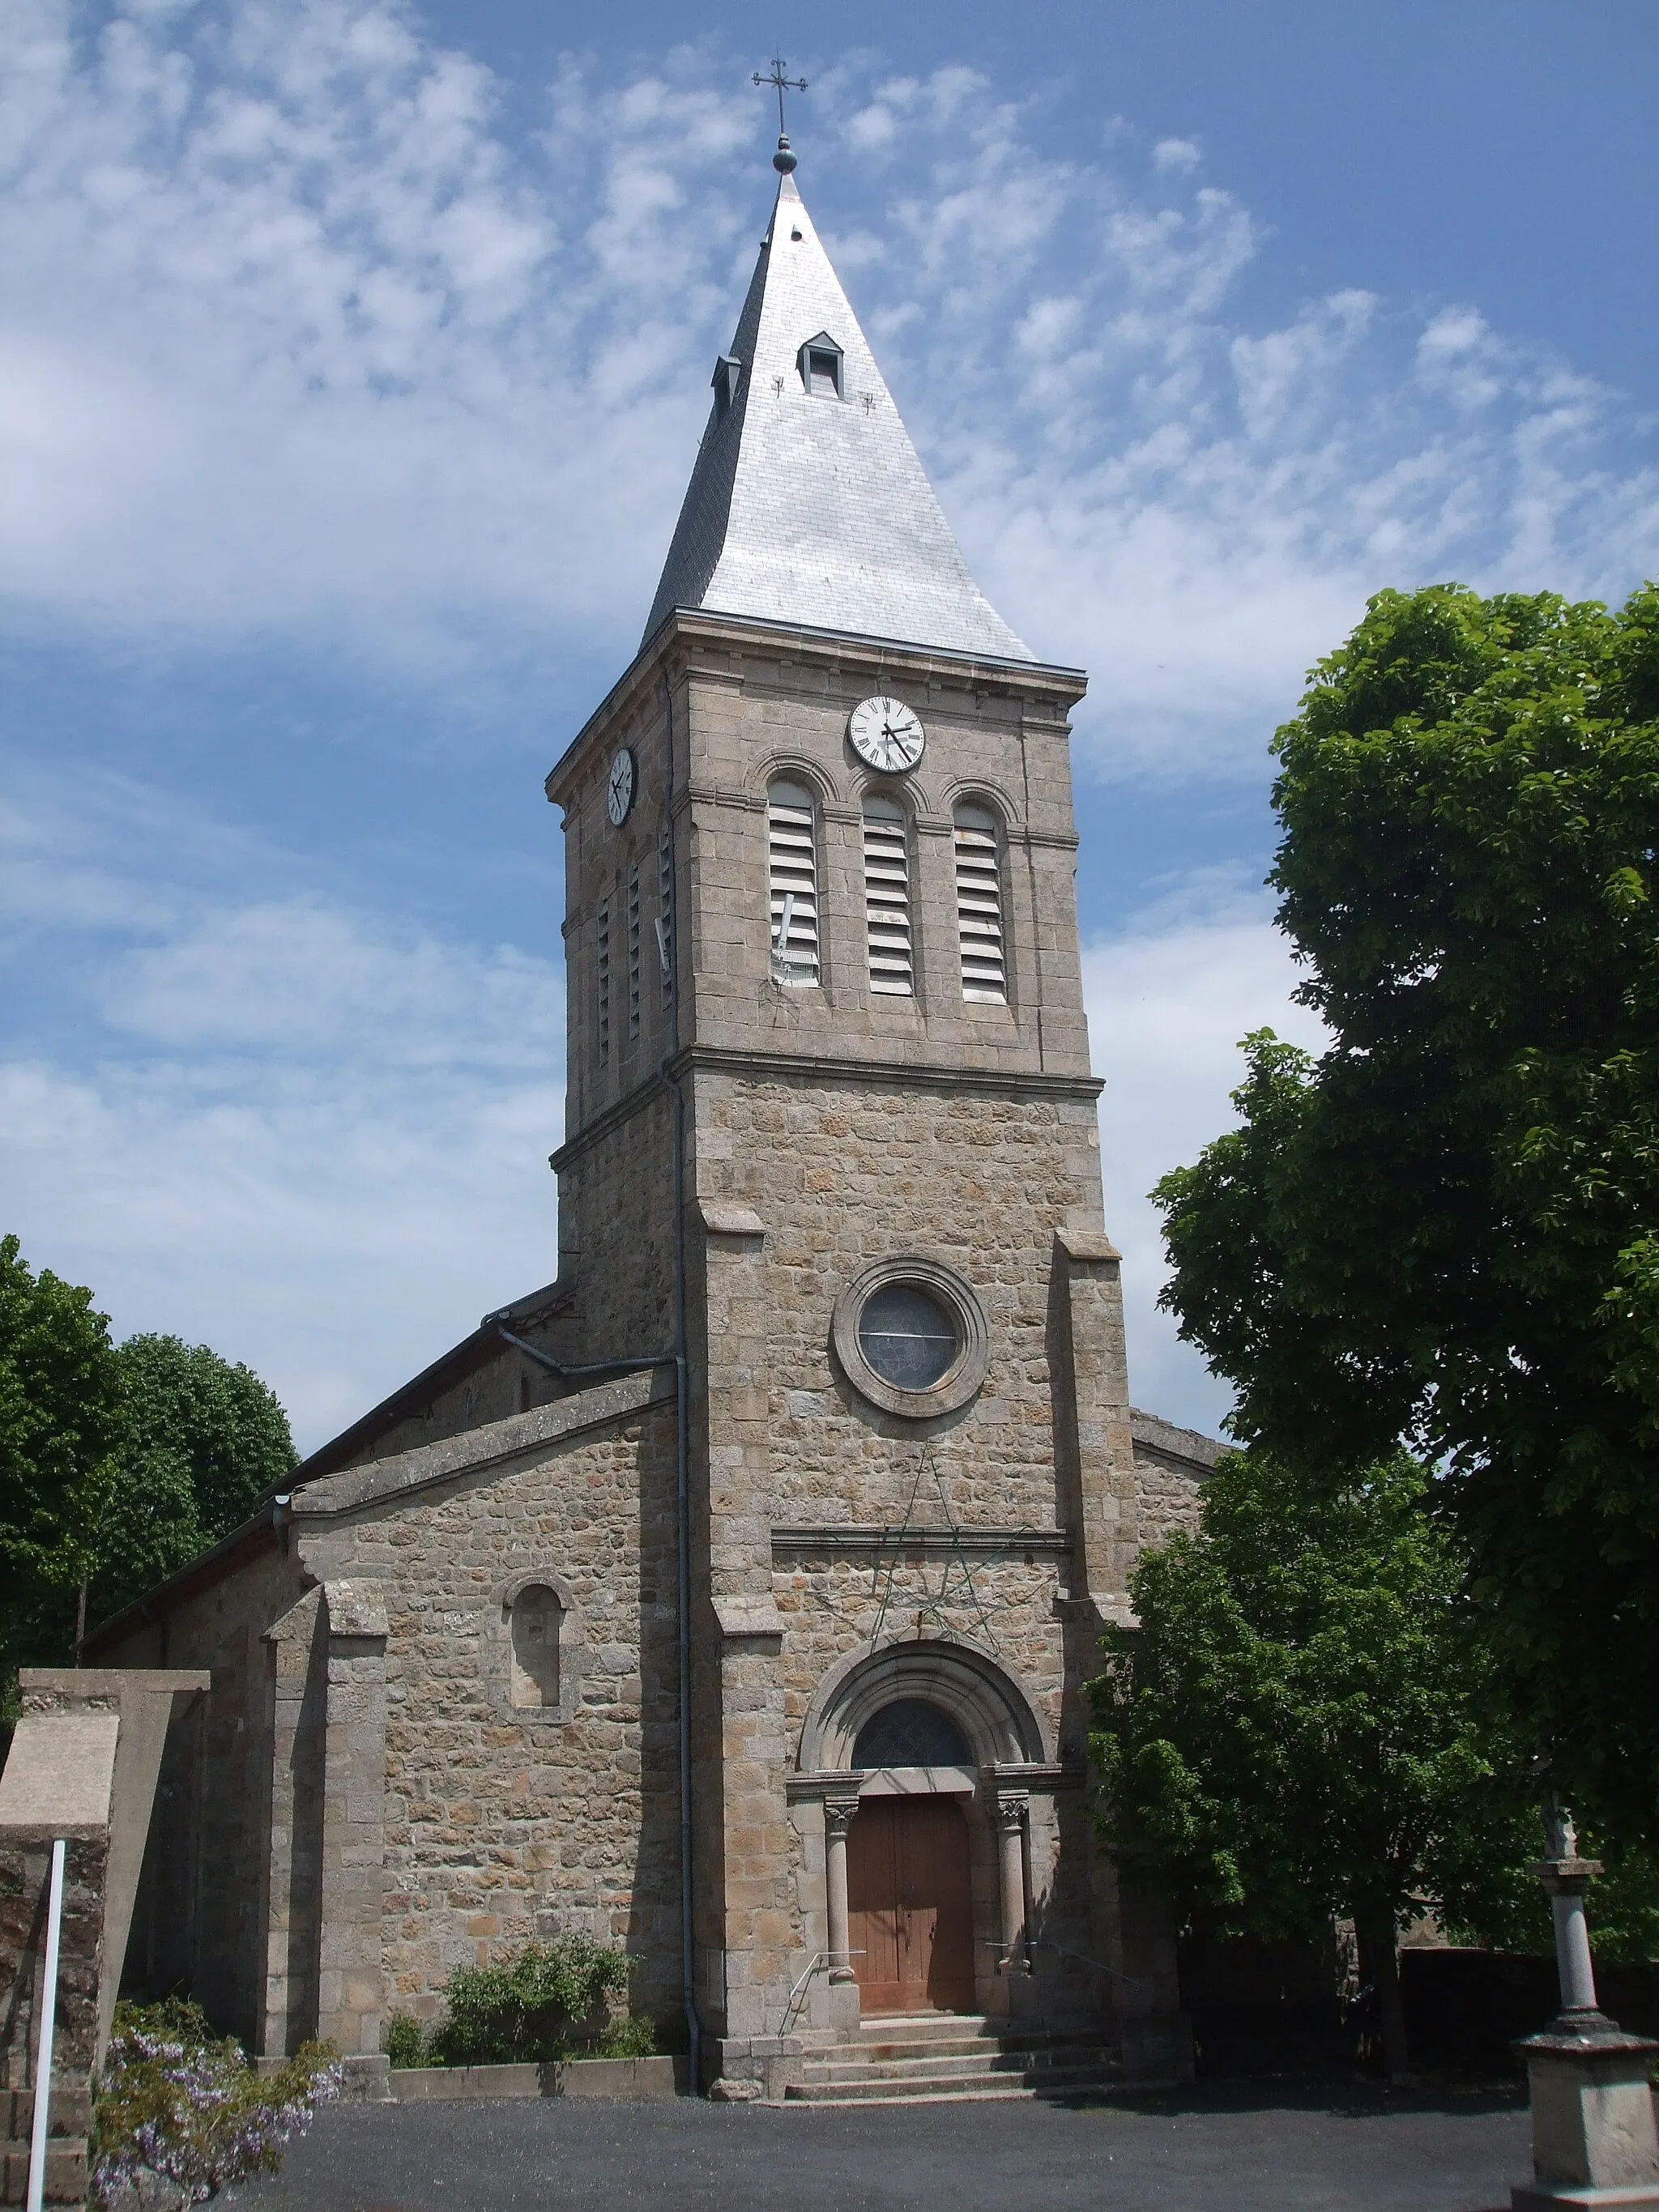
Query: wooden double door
[{"x": 910, "y": 1920}]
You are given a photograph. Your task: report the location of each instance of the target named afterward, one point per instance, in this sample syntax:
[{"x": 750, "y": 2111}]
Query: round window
[
  {"x": 911, "y": 1337},
  {"x": 907, "y": 1337}
]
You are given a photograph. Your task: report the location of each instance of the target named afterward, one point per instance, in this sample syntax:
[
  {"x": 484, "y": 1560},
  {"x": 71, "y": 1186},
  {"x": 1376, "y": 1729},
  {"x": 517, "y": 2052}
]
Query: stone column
[
  {"x": 1593, "y": 2140},
  {"x": 1012, "y": 1810},
  {"x": 298, "y": 1690},
  {"x": 349, "y": 1984},
  {"x": 838, "y": 1814},
  {"x": 1094, "y": 1448},
  {"x": 744, "y": 1900}
]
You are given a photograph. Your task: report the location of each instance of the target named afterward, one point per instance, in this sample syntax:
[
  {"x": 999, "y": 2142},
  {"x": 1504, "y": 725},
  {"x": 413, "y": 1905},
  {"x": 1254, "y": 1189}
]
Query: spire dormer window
[
  {"x": 728, "y": 374},
  {"x": 820, "y": 363}
]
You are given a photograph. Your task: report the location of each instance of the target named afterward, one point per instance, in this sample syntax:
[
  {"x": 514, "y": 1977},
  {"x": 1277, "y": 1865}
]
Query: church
[{"x": 732, "y": 1598}]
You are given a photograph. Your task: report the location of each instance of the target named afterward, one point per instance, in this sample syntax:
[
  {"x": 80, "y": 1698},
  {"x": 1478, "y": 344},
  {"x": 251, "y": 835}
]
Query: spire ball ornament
[{"x": 784, "y": 160}]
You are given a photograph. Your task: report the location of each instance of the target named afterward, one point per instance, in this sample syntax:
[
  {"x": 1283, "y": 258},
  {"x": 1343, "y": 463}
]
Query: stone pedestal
[{"x": 1593, "y": 2136}]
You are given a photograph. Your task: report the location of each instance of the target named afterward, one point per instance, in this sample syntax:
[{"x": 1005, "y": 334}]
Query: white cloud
[
  {"x": 302, "y": 345},
  {"x": 1179, "y": 155},
  {"x": 300, "y": 341},
  {"x": 1168, "y": 1001},
  {"x": 297, "y": 1130},
  {"x": 335, "y": 1227}
]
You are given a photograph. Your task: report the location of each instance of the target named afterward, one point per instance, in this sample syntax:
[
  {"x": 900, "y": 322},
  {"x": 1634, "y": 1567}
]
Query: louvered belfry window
[
  {"x": 604, "y": 964},
  {"x": 792, "y": 851},
  {"x": 634, "y": 951},
  {"x": 979, "y": 905},
  {"x": 666, "y": 914},
  {"x": 887, "y": 899}
]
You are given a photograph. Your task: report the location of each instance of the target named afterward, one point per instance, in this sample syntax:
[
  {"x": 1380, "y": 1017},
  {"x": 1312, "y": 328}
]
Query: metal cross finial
[
  {"x": 783, "y": 161},
  {"x": 781, "y": 83}
]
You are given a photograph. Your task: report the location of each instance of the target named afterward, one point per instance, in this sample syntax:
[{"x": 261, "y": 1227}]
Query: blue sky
[{"x": 352, "y": 361}]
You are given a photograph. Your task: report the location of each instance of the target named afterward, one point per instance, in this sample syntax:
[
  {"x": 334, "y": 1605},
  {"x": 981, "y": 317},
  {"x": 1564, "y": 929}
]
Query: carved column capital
[
  {"x": 838, "y": 1816},
  {"x": 1014, "y": 1807}
]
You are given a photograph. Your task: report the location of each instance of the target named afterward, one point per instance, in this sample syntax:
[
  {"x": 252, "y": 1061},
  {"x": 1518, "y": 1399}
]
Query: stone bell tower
[{"x": 832, "y": 1134}]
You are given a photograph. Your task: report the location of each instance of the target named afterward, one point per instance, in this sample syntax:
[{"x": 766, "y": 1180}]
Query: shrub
[
  {"x": 179, "y": 2108},
  {"x": 542, "y": 2005},
  {"x": 629, "y": 2038},
  {"x": 405, "y": 2041}
]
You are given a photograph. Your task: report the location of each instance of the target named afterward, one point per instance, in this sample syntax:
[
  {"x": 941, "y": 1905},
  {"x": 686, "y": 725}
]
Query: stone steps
[{"x": 946, "y": 2056}]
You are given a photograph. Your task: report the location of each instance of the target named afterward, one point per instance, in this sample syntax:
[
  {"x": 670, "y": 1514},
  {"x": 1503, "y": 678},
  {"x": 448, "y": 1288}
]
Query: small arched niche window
[
  {"x": 820, "y": 362},
  {"x": 979, "y": 905},
  {"x": 537, "y": 1624},
  {"x": 910, "y": 1732},
  {"x": 792, "y": 862}
]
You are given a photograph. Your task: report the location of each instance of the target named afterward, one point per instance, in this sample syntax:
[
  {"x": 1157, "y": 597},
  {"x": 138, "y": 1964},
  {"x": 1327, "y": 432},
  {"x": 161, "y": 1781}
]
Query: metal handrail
[{"x": 819, "y": 1959}]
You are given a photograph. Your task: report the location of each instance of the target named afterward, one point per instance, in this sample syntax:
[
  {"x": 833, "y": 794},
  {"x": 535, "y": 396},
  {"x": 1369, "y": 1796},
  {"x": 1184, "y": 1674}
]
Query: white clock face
[
  {"x": 619, "y": 787},
  {"x": 887, "y": 734}
]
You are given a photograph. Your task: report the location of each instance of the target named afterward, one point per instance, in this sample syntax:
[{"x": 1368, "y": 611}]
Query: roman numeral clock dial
[{"x": 886, "y": 734}]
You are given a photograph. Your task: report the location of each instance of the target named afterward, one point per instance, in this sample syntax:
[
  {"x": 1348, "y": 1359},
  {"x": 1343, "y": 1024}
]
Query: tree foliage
[
  {"x": 1446, "y": 1228},
  {"x": 118, "y": 1464},
  {"x": 1297, "y": 1729},
  {"x": 63, "y": 1422},
  {"x": 206, "y": 1440}
]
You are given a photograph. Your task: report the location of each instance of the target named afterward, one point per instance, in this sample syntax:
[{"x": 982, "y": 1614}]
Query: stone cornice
[
  {"x": 924, "y": 1075},
  {"x": 845, "y": 1542},
  {"x": 877, "y": 656}
]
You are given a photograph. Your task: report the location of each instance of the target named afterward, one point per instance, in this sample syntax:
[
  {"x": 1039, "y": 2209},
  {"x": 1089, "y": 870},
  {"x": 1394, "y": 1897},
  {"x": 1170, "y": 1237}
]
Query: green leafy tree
[
  {"x": 1296, "y": 1731},
  {"x": 64, "y": 1422},
  {"x": 206, "y": 1441},
  {"x": 118, "y": 1464},
  {"x": 1446, "y": 1228}
]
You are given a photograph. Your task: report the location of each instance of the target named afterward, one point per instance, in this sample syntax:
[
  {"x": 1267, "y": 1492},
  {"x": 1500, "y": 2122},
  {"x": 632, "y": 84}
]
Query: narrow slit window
[
  {"x": 792, "y": 884},
  {"x": 666, "y": 914},
  {"x": 603, "y": 965},
  {"x": 979, "y": 905},
  {"x": 887, "y": 899},
  {"x": 634, "y": 951}
]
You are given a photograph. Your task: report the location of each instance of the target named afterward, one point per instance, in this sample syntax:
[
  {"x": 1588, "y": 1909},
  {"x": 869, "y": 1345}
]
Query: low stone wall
[
  {"x": 81, "y": 1768},
  {"x": 575, "y": 2077}
]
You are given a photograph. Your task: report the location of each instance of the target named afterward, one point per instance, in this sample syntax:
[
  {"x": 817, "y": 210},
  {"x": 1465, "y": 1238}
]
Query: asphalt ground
[{"x": 1244, "y": 2147}]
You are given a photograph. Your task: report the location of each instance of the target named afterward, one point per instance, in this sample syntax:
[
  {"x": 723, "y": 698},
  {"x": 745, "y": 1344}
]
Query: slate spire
[{"x": 808, "y": 503}]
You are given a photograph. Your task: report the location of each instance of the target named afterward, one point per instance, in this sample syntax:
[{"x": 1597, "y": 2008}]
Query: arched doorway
[
  {"x": 916, "y": 1751},
  {"x": 909, "y": 1892}
]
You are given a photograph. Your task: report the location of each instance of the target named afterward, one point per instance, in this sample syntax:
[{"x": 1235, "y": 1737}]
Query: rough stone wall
[
  {"x": 1171, "y": 1497},
  {"x": 841, "y": 1174},
  {"x": 24, "y": 1871},
  {"x": 502, "y": 1825},
  {"x": 616, "y": 1239},
  {"x": 753, "y": 712}
]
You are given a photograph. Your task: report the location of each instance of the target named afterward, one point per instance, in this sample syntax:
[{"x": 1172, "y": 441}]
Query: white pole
[{"x": 48, "y": 2026}]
